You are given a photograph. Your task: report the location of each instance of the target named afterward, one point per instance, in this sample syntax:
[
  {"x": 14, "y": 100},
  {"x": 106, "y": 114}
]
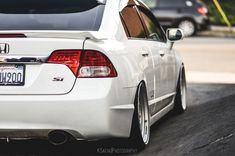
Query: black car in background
[{"x": 189, "y": 15}]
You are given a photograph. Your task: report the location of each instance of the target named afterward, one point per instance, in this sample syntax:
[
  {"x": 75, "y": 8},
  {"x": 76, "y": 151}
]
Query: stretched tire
[
  {"x": 140, "y": 132},
  {"x": 181, "y": 94}
]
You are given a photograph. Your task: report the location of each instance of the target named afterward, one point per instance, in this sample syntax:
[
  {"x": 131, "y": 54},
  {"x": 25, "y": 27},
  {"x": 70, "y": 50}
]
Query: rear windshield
[{"x": 51, "y": 15}]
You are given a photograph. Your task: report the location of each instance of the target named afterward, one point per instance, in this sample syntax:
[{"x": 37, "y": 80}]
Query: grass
[{"x": 228, "y": 7}]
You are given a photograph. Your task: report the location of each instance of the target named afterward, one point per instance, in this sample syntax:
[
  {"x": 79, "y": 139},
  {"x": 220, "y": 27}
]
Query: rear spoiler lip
[{"x": 93, "y": 35}]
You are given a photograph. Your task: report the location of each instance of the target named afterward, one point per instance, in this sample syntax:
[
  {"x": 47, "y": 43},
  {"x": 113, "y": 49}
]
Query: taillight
[
  {"x": 202, "y": 10},
  {"x": 70, "y": 58},
  {"x": 85, "y": 64},
  {"x": 96, "y": 65}
]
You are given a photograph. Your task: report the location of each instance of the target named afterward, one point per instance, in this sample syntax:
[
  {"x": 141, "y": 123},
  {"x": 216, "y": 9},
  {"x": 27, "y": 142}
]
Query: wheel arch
[
  {"x": 145, "y": 89},
  {"x": 181, "y": 70},
  {"x": 186, "y": 18}
]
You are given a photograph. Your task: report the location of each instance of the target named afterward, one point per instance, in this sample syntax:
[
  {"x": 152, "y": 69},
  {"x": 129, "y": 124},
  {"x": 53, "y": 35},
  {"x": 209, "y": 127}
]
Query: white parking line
[{"x": 209, "y": 77}]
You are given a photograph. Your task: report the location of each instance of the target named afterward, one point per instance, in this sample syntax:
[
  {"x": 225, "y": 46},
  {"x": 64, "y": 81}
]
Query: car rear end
[
  {"x": 51, "y": 84},
  {"x": 201, "y": 15},
  {"x": 171, "y": 14}
]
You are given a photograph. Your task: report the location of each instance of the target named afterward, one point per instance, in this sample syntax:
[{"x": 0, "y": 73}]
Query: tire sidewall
[
  {"x": 178, "y": 108},
  {"x": 136, "y": 137}
]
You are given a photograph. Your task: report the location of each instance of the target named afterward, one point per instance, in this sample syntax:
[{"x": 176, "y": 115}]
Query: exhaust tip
[{"x": 58, "y": 137}]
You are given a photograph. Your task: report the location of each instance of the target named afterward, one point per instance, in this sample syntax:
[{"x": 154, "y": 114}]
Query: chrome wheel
[
  {"x": 181, "y": 94},
  {"x": 140, "y": 130},
  {"x": 188, "y": 27},
  {"x": 183, "y": 91},
  {"x": 143, "y": 115}
]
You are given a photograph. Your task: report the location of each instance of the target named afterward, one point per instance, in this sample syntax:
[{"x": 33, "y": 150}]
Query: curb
[{"x": 218, "y": 31}]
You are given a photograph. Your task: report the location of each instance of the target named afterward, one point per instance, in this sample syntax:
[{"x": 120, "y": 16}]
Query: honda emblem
[{"x": 4, "y": 48}]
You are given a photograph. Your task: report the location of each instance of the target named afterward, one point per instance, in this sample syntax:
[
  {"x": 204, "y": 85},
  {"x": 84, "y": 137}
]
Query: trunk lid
[{"x": 25, "y": 58}]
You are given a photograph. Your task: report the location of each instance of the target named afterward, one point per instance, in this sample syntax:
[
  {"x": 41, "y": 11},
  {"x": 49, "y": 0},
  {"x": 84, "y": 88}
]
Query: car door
[
  {"x": 155, "y": 42},
  {"x": 164, "y": 62},
  {"x": 138, "y": 47}
]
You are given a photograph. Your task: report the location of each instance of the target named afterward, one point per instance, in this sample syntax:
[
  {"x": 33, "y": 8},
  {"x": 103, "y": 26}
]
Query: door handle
[
  {"x": 145, "y": 53},
  {"x": 162, "y": 53}
]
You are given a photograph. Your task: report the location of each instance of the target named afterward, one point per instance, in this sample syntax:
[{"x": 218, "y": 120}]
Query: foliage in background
[{"x": 228, "y": 7}]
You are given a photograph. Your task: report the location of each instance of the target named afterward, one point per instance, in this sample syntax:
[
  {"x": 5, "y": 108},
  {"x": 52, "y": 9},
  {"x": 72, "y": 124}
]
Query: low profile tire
[
  {"x": 181, "y": 94},
  {"x": 188, "y": 27},
  {"x": 140, "y": 132}
]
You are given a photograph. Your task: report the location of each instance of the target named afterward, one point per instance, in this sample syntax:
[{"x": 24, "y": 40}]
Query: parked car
[
  {"x": 189, "y": 15},
  {"x": 86, "y": 70}
]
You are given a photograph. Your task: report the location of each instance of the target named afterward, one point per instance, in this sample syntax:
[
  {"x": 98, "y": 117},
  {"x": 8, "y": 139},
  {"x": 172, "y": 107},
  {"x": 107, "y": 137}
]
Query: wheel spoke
[{"x": 188, "y": 27}]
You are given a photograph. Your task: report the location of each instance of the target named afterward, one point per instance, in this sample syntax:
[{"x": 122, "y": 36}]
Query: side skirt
[{"x": 161, "y": 113}]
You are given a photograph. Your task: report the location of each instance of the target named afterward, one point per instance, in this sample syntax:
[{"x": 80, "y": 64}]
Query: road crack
[{"x": 213, "y": 142}]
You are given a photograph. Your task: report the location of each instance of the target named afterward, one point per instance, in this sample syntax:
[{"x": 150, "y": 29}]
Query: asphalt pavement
[{"x": 207, "y": 128}]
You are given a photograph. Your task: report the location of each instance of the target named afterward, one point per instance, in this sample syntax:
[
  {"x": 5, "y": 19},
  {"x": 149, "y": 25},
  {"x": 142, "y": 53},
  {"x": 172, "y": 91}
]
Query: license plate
[{"x": 12, "y": 75}]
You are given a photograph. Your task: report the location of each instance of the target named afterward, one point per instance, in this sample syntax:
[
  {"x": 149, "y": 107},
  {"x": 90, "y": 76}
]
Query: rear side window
[
  {"x": 133, "y": 22},
  {"x": 154, "y": 29},
  {"x": 50, "y": 14}
]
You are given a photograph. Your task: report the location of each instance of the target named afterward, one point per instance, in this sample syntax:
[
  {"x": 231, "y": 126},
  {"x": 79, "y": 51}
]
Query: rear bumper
[
  {"x": 203, "y": 23},
  {"x": 94, "y": 109}
]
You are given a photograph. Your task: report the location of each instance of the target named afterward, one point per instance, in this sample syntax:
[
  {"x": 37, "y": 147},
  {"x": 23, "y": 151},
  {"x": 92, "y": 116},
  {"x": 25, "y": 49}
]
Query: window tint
[
  {"x": 170, "y": 3},
  {"x": 50, "y": 14},
  {"x": 155, "y": 31},
  {"x": 151, "y": 3},
  {"x": 133, "y": 22}
]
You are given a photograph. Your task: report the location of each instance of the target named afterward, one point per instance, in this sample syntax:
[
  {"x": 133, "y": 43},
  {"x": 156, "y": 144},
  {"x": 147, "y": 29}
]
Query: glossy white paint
[{"x": 94, "y": 108}]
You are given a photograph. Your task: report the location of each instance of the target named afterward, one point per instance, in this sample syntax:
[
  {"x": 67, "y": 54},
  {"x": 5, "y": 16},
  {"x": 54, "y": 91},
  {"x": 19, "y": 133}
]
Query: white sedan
[{"x": 86, "y": 70}]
